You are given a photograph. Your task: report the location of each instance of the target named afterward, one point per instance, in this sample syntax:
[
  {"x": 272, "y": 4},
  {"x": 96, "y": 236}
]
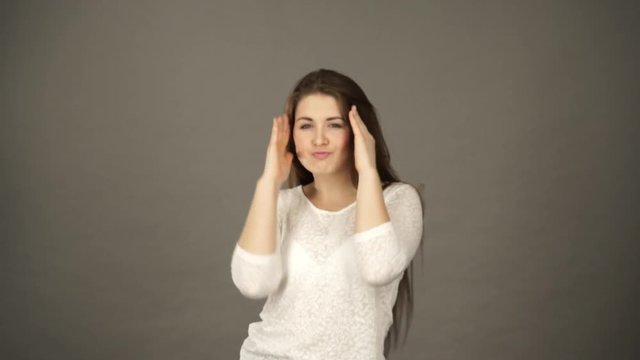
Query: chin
[{"x": 319, "y": 169}]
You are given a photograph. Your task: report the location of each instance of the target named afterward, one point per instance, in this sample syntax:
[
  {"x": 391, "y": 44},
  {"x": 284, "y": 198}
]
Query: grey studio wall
[{"x": 132, "y": 135}]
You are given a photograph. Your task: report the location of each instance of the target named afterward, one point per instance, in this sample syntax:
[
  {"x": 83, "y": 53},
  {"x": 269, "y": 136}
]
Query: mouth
[{"x": 321, "y": 154}]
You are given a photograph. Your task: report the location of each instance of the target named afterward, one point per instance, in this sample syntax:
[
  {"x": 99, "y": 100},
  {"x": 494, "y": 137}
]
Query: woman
[{"x": 332, "y": 252}]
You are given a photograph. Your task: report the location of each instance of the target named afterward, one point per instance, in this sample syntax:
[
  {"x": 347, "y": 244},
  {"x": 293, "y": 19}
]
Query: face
[{"x": 319, "y": 127}]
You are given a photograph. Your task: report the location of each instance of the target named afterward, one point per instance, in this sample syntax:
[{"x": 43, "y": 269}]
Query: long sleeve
[
  {"x": 256, "y": 275},
  {"x": 385, "y": 251}
]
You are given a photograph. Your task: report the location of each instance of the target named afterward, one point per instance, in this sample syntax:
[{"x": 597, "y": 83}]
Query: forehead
[{"x": 318, "y": 105}]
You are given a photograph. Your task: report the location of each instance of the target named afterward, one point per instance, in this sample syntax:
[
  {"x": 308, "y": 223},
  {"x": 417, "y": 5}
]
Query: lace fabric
[{"x": 330, "y": 291}]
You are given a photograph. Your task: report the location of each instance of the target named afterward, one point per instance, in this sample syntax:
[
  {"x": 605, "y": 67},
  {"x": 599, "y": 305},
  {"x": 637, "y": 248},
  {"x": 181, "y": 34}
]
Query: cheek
[
  {"x": 343, "y": 144},
  {"x": 345, "y": 140},
  {"x": 299, "y": 136},
  {"x": 296, "y": 141}
]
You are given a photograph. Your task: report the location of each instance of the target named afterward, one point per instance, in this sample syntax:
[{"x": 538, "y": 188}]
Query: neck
[{"x": 332, "y": 187}]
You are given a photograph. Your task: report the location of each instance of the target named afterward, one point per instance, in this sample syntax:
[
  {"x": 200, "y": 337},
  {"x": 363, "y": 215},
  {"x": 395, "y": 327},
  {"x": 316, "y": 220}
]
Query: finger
[
  {"x": 278, "y": 127},
  {"x": 355, "y": 124},
  {"x": 363, "y": 127},
  {"x": 356, "y": 116},
  {"x": 274, "y": 131},
  {"x": 285, "y": 125},
  {"x": 283, "y": 134}
]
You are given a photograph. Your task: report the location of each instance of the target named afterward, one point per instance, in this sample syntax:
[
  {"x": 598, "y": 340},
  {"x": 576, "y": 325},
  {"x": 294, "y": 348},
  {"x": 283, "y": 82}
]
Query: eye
[{"x": 334, "y": 125}]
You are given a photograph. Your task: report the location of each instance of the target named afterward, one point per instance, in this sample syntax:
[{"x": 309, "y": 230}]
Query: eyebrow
[{"x": 328, "y": 119}]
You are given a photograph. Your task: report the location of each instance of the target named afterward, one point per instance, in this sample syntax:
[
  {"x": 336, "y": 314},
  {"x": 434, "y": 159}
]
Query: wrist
[
  {"x": 371, "y": 173},
  {"x": 268, "y": 181}
]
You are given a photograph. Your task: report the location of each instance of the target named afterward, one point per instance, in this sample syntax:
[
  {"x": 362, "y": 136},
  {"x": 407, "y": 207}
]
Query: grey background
[{"x": 133, "y": 133}]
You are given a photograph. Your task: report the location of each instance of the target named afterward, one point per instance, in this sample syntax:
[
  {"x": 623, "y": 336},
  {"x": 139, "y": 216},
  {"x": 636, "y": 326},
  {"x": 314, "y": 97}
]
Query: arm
[
  {"x": 259, "y": 233},
  {"x": 370, "y": 208},
  {"x": 387, "y": 231},
  {"x": 384, "y": 249},
  {"x": 256, "y": 266}
]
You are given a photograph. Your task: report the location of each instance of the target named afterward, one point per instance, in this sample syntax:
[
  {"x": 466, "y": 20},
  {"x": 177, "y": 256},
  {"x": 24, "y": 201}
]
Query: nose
[{"x": 319, "y": 138}]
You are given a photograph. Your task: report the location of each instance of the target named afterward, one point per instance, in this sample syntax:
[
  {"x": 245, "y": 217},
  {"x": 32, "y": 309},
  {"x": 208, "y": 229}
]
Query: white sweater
[{"x": 330, "y": 292}]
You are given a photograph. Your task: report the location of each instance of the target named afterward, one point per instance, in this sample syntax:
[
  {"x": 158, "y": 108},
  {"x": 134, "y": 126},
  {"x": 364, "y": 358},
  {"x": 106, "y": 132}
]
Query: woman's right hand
[{"x": 278, "y": 163}]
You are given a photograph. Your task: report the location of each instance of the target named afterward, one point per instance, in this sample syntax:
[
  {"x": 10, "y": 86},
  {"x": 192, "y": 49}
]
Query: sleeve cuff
[
  {"x": 252, "y": 258},
  {"x": 373, "y": 232}
]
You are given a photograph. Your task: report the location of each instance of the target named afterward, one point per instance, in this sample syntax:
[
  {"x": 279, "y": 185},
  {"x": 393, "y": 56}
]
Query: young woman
[{"x": 333, "y": 251}]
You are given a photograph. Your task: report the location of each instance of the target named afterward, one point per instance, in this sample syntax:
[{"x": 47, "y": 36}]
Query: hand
[
  {"x": 364, "y": 146},
  {"x": 278, "y": 163}
]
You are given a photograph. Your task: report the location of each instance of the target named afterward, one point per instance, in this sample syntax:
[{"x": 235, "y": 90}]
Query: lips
[{"x": 321, "y": 154}]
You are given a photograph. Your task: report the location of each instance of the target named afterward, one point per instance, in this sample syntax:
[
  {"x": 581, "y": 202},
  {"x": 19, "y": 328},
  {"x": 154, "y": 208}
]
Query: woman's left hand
[{"x": 364, "y": 146}]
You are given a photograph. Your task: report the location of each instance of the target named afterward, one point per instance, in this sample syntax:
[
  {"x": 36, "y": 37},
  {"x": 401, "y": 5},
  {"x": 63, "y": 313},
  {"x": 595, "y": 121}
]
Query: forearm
[
  {"x": 385, "y": 246},
  {"x": 370, "y": 207},
  {"x": 259, "y": 233}
]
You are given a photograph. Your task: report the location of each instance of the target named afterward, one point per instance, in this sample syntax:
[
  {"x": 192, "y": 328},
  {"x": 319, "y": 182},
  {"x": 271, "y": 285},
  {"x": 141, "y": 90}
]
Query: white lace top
[{"x": 330, "y": 292}]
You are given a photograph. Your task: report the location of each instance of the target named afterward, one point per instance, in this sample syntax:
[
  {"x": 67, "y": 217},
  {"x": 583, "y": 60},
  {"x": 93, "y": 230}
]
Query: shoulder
[
  {"x": 400, "y": 189},
  {"x": 402, "y": 195},
  {"x": 287, "y": 192},
  {"x": 285, "y": 195}
]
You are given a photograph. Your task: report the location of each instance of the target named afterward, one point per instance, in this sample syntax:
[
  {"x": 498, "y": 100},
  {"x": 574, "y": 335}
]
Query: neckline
[{"x": 324, "y": 210}]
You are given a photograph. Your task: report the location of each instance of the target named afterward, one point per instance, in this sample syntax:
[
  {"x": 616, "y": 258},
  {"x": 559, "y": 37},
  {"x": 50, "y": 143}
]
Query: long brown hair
[{"x": 347, "y": 92}]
